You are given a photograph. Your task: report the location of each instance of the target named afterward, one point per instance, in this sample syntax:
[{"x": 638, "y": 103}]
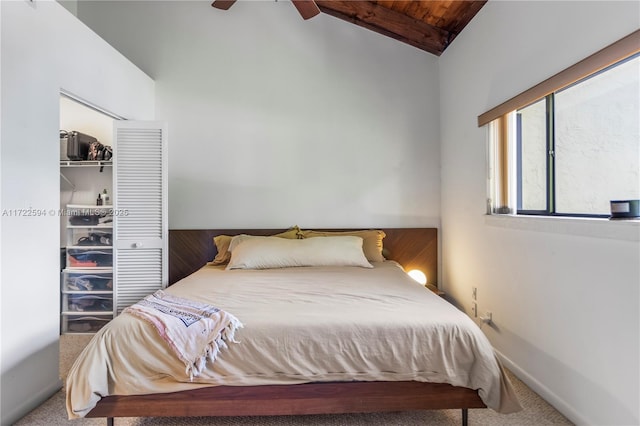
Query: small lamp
[{"x": 418, "y": 275}]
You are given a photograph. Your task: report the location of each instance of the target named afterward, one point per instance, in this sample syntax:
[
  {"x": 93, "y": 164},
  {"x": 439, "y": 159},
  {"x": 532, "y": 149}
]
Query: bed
[{"x": 307, "y": 374}]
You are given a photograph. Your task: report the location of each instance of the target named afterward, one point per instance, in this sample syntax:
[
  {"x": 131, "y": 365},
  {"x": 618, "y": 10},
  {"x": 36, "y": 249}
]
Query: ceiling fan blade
[
  {"x": 223, "y": 4},
  {"x": 307, "y": 8}
]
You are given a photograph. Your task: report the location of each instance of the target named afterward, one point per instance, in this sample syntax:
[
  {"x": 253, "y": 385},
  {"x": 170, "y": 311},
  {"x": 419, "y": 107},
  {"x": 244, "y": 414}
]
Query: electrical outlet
[
  {"x": 474, "y": 293},
  {"x": 487, "y": 318},
  {"x": 474, "y": 309}
]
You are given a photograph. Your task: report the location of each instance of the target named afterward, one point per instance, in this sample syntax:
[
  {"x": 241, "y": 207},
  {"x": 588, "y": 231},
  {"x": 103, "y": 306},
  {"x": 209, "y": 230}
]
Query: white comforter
[{"x": 301, "y": 325}]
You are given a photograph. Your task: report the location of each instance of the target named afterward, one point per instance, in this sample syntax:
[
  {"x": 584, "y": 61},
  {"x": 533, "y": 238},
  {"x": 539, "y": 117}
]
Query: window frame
[
  {"x": 550, "y": 165},
  {"x": 616, "y": 52},
  {"x": 503, "y": 191}
]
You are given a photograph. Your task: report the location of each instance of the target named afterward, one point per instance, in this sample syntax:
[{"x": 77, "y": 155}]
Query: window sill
[{"x": 625, "y": 230}]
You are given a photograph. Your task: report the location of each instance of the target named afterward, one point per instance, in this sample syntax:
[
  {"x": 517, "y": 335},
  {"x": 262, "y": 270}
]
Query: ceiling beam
[
  {"x": 464, "y": 16},
  {"x": 390, "y": 23}
]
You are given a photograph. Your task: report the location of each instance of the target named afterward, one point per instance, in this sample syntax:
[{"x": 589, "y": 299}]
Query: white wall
[
  {"x": 44, "y": 49},
  {"x": 564, "y": 295},
  {"x": 276, "y": 121},
  {"x": 70, "y": 5}
]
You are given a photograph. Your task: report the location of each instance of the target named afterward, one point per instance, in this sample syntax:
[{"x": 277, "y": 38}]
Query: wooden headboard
[{"x": 413, "y": 248}]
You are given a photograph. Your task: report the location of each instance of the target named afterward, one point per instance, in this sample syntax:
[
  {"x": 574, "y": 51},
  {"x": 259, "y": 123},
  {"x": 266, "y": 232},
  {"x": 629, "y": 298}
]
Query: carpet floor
[{"x": 536, "y": 411}]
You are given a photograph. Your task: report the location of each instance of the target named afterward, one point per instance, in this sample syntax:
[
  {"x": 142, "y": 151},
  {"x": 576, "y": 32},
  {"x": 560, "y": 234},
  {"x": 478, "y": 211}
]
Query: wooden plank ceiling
[{"x": 430, "y": 25}]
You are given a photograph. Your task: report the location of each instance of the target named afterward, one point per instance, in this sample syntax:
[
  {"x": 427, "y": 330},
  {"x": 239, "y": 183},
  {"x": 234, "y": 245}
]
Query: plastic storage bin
[
  {"x": 90, "y": 237},
  {"x": 83, "y": 322},
  {"x": 83, "y": 302},
  {"x": 93, "y": 257},
  {"x": 87, "y": 281}
]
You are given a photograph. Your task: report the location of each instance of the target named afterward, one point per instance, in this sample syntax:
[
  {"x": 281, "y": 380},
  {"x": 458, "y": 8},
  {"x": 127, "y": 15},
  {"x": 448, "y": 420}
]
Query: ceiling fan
[{"x": 306, "y": 8}]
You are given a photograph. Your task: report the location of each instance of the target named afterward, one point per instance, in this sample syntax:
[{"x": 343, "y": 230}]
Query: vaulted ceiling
[{"x": 430, "y": 25}]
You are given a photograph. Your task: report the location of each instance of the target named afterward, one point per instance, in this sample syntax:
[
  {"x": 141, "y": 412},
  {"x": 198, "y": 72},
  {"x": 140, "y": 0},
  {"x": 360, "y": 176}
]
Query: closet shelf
[
  {"x": 94, "y": 207},
  {"x": 101, "y": 226},
  {"x": 85, "y": 163}
]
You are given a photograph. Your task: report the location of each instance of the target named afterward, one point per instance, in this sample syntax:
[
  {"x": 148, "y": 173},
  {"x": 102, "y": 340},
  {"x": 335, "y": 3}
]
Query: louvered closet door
[{"x": 140, "y": 205}]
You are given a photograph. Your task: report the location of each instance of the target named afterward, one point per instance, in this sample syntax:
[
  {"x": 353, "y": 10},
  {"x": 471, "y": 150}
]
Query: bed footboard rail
[
  {"x": 309, "y": 398},
  {"x": 465, "y": 418}
]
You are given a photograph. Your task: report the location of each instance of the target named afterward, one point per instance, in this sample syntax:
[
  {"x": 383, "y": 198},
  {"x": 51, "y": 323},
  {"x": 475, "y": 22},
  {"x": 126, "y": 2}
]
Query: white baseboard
[
  {"x": 19, "y": 411},
  {"x": 545, "y": 393}
]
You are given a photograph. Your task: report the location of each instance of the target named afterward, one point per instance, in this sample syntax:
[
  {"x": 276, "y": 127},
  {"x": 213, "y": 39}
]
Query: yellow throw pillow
[
  {"x": 222, "y": 244},
  {"x": 371, "y": 240}
]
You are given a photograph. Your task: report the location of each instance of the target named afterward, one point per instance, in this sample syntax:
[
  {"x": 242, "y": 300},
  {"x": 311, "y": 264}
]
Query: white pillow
[
  {"x": 273, "y": 252},
  {"x": 240, "y": 238}
]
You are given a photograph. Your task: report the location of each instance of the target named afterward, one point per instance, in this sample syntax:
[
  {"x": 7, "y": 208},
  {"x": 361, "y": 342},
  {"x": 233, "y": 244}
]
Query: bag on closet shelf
[
  {"x": 78, "y": 144},
  {"x": 64, "y": 142},
  {"x": 107, "y": 153},
  {"x": 95, "y": 151},
  {"x": 95, "y": 239},
  {"x": 99, "y": 152},
  {"x": 84, "y": 220}
]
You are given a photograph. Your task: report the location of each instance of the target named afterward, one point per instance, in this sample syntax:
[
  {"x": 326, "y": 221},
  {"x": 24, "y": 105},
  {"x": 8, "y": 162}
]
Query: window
[
  {"x": 579, "y": 147},
  {"x": 574, "y": 149}
]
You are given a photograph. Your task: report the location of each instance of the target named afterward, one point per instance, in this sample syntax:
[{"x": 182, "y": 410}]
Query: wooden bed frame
[{"x": 189, "y": 250}]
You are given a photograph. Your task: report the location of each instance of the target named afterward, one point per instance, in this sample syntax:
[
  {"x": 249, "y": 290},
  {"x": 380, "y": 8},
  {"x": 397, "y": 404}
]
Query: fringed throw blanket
[{"x": 194, "y": 330}]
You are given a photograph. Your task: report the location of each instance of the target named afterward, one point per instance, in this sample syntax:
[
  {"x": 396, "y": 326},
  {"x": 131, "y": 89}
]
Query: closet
[{"x": 114, "y": 246}]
